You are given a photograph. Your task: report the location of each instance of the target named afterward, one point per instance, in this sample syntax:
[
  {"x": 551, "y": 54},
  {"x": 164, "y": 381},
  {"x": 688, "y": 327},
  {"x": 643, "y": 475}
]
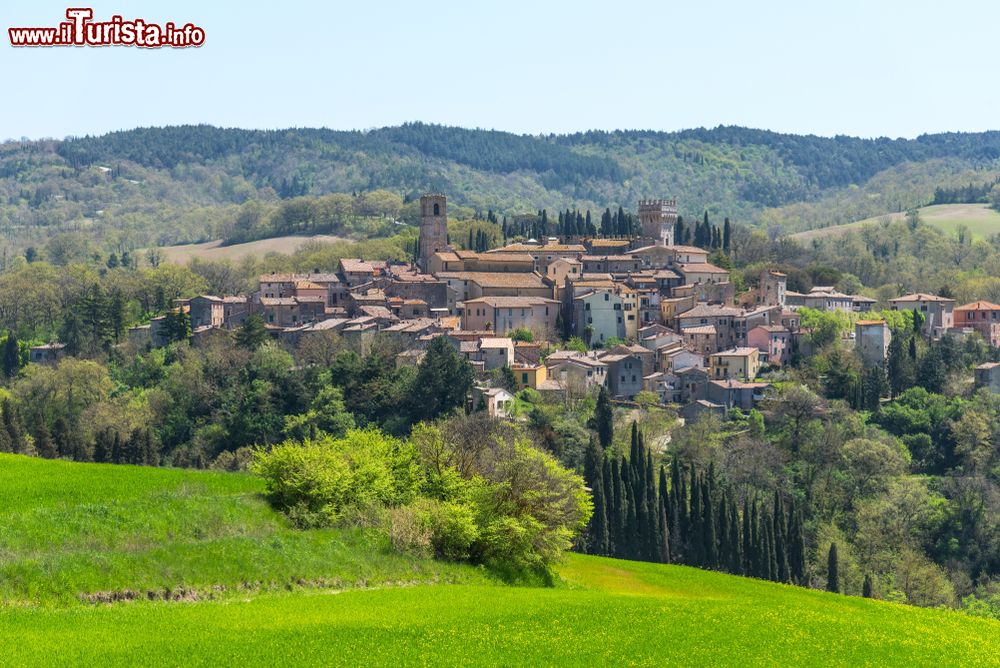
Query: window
[
  {"x": 606, "y": 296},
  {"x": 437, "y": 209},
  {"x": 524, "y": 377}
]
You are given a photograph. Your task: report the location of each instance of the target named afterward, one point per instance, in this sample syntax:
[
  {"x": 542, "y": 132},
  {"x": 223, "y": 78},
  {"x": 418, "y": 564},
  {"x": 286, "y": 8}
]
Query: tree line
[{"x": 688, "y": 517}]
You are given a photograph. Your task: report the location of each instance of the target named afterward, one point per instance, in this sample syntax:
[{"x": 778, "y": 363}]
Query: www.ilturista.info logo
[{"x": 81, "y": 30}]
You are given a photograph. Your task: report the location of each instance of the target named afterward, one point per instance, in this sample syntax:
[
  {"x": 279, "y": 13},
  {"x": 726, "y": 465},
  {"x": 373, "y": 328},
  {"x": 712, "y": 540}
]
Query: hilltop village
[{"x": 654, "y": 316}]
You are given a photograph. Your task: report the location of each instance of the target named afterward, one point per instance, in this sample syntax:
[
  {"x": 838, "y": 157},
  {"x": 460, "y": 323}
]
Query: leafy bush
[
  {"x": 470, "y": 488},
  {"x": 445, "y": 529},
  {"x": 317, "y": 479},
  {"x": 528, "y": 508}
]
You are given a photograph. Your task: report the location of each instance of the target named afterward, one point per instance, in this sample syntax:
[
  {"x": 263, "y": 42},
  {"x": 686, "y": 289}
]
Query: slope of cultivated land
[
  {"x": 608, "y": 613},
  {"x": 981, "y": 221},
  {"x": 71, "y": 530},
  {"x": 67, "y": 528},
  {"x": 214, "y": 250}
]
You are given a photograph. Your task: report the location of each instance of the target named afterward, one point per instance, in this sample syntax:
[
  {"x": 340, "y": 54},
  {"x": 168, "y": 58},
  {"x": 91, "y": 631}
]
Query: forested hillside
[{"x": 159, "y": 186}]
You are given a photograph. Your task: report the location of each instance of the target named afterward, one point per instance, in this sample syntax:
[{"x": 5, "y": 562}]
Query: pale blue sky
[{"x": 868, "y": 68}]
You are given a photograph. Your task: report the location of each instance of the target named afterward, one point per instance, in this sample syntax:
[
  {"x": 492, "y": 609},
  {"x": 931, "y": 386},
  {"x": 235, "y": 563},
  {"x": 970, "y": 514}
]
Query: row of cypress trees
[{"x": 688, "y": 517}]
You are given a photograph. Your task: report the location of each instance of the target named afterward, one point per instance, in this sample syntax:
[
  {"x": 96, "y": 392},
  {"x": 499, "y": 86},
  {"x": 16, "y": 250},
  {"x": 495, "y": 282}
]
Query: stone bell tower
[
  {"x": 433, "y": 227},
  {"x": 658, "y": 218}
]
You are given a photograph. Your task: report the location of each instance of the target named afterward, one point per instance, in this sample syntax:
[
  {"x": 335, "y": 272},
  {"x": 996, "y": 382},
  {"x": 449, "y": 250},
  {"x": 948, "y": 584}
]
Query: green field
[
  {"x": 980, "y": 219},
  {"x": 67, "y": 528}
]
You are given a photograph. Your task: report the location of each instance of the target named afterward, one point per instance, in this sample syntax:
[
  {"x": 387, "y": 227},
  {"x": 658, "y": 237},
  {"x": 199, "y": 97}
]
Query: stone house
[
  {"x": 871, "y": 340},
  {"x": 938, "y": 312}
]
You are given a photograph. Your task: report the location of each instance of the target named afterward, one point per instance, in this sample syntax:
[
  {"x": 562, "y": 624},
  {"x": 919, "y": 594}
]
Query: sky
[{"x": 864, "y": 68}]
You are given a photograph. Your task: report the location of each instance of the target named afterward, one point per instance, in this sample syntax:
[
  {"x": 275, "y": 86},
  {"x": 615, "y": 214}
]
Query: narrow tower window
[{"x": 437, "y": 209}]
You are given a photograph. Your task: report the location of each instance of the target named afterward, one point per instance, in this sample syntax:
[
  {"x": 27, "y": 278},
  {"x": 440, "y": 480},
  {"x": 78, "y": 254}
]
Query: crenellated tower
[{"x": 658, "y": 218}]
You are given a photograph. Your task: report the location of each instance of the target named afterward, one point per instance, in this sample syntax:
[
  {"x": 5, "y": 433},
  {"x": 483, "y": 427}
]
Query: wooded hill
[{"x": 173, "y": 184}]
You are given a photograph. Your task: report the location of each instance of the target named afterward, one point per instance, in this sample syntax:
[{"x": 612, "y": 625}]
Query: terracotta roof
[
  {"x": 865, "y": 323},
  {"x": 687, "y": 249},
  {"x": 711, "y": 311},
  {"x": 607, "y": 258},
  {"x": 867, "y": 300},
  {"x": 511, "y": 302},
  {"x": 739, "y": 384},
  {"x": 506, "y": 257},
  {"x": 978, "y": 306},
  {"x": 495, "y": 342},
  {"x": 704, "y": 329},
  {"x": 772, "y": 328},
  {"x": 736, "y": 352},
  {"x": 920, "y": 297},
  {"x": 533, "y": 248},
  {"x": 665, "y": 273},
  {"x": 356, "y": 266},
  {"x": 701, "y": 268},
  {"x": 614, "y": 243},
  {"x": 496, "y": 279}
]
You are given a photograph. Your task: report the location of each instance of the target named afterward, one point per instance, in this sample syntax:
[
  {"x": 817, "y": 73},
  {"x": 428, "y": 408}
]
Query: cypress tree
[
  {"x": 11, "y": 356},
  {"x": 664, "y": 516},
  {"x": 746, "y": 566},
  {"x": 735, "y": 550},
  {"x": 772, "y": 564},
  {"x": 709, "y": 536},
  {"x": 722, "y": 528},
  {"x": 14, "y": 427},
  {"x": 653, "y": 539},
  {"x": 797, "y": 549},
  {"x": 832, "y": 570},
  {"x": 676, "y": 507},
  {"x": 44, "y": 444},
  {"x": 695, "y": 534},
  {"x": 5, "y": 444},
  {"x": 117, "y": 451},
  {"x": 632, "y": 520},
  {"x": 604, "y": 419},
  {"x": 756, "y": 548},
  {"x": 727, "y": 236},
  {"x": 780, "y": 543},
  {"x": 102, "y": 446},
  {"x": 866, "y": 589},
  {"x": 599, "y": 520},
  {"x": 592, "y": 463},
  {"x": 620, "y": 510},
  {"x": 608, "y": 483}
]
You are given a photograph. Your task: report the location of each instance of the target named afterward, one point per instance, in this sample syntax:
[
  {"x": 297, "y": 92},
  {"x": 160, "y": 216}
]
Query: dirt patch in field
[
  {"x": 214, "y": 250},
  {"x": 183, "y": 594}
]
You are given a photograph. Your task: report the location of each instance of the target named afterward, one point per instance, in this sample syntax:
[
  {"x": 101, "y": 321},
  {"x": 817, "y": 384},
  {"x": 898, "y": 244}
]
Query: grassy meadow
[
  {"x": 981, "y": 221},
  {"x": 342, "y": 598},
  {"x": 607, "y": 613},
  {"x": 72, "y": 530}
]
